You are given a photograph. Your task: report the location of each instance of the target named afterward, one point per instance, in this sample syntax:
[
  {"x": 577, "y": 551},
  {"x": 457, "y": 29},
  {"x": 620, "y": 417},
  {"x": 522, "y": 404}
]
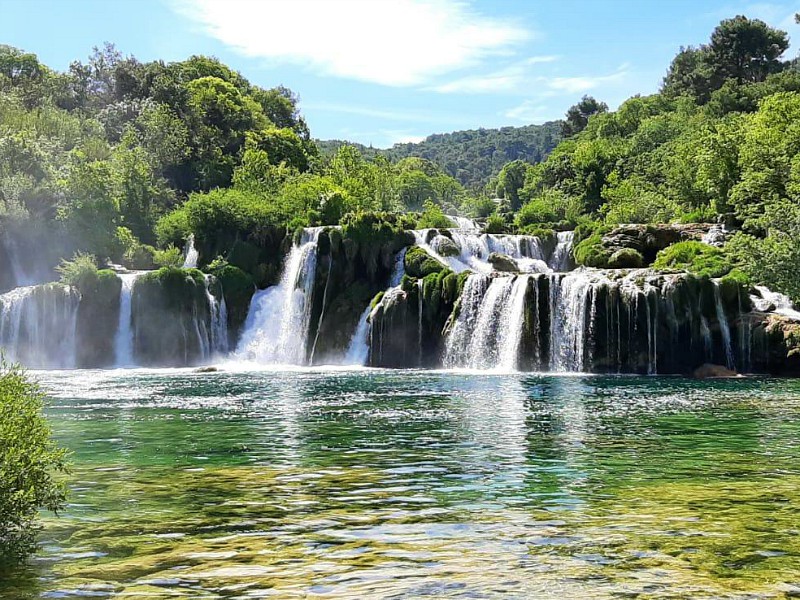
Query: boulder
[
  {"x": 445, "y": 246},
  {"x": 709, "y": 371},
  {"x": 503, "y": 263}
]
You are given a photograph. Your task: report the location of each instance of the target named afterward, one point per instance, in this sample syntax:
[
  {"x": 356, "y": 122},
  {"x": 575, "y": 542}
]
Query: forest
[{"x": 121, "y": 161}]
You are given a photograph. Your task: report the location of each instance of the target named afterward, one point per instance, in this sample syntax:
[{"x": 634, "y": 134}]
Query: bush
[
  {"x": 78, "y": 272},
  {"x": 495, "y": 224},
  {"x": 170, "y": 256},
  {"x": 536, "y": 212},
  {"x": 695, "y": 257},
  {"x": 29, "y": 465}
]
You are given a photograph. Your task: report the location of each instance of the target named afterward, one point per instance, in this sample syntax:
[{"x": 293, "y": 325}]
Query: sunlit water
[{"x": 407, "y": 484}]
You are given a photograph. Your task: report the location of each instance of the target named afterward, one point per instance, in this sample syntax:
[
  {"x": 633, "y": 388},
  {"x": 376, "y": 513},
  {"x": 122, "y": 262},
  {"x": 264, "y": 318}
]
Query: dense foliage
[
  {"x": 720, "y": 141},
  {"x": 29, "y": 465},
  {"x": 472, "y": 156}
]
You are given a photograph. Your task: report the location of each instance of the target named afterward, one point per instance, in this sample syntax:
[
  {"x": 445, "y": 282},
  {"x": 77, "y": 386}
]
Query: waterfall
[
  {"x": 218, "y": 311},
  {"x": 358, "y": 350},
  {"x": 569, "y": 300},
  {"x": 715, "y": 236},
  {"x": 512, "y": 322},
  {"x": 420, "y": 287},
  {"x": 123, "y": 341},
  {"x": 774, "y": 301},
  {"x": 562, "y": 260},
  {"x": 474, "y": 250},
  {"x": 458, "y": 340},
  {"x": 38, "y": 326},
  {"x": 464, "y": 223},
  {"x": 190, "y": 254},
  {"x": 724, "y": 328},
  {"x": 277, "y": 325}
]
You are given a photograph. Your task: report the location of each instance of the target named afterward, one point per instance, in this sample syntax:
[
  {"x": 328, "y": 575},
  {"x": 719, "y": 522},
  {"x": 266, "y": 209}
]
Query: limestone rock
[{"x": 503, "y": 262}]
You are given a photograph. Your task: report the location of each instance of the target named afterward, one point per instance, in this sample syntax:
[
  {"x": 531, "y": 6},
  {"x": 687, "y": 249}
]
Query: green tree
[
  {"x": 577, "y": 116},
  {"x": 30, "y": 464},
  {"x": 510, "y": 180}
]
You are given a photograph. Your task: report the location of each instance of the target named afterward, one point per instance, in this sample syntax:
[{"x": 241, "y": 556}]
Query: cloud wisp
[
  {"x": 389, "y": 42},
  {"x": 507, "y": 80}
]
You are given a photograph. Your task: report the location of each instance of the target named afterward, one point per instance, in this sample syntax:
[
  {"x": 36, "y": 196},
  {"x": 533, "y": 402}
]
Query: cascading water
[
  {"x": 38, "y": 326},
  {"x": 474, "y": 250},
  {"x": 190, "y": 253},
  {"x": 724, "y": 328},
  {"x": 561, "y": 260},
  {"x": 123, "y": 341},
  {"x": 277, "y": 325},
  {"x": 358, "y": 350},
  {"x": 775, "y": 302},
  {"x": 219, "y": 323},
  {"x": 568, "y": 311}
]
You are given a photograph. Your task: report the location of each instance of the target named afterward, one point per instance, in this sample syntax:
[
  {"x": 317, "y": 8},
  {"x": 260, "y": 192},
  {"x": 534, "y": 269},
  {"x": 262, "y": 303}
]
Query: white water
[
  {"x": 219, "y": 323},
  {"x": 715, "y": 236},
  {"x": 276, "y": 330},
  {"x": 38, "y": 326},
  {"x": 511, "y": 323},
  {"x": 465, "y": 224},
  {"x": 724, "y": 328},
  {"x": 358, "y": 350},
  {"x": 474, "y": 250},
  {"x": 190, "y": 254},
  {"x": 561, "y": 260},
  {"x": 123, "y": 341},
  {"x": 569, "y": 296},
  {"x": 774, "y": 301}
]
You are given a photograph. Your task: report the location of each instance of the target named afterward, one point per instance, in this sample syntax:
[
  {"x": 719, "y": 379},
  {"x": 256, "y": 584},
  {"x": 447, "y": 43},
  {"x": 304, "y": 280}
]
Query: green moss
[
  {"x": 419, "y": 263},
  {"x": 591, "y": 252},
  {"x": 695, "y": 257},
  {"x": 377, "y": 299},
  {"x": 244, "y": 255},
  {"x": 626, "y": 258}
]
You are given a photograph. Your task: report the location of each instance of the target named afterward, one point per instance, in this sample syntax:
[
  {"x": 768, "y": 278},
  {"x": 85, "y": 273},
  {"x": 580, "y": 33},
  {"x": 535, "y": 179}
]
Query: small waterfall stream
[
  {"x": 190, "y": 253},
  {"x": 38, "y": 326},
  {"x": 358, "y": 350},
  {"x": 123, "y": 342},
  {"x": 277, "y": 325}
]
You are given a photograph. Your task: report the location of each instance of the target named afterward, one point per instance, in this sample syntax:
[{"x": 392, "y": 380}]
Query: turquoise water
[{"x": 402, "y": 484}]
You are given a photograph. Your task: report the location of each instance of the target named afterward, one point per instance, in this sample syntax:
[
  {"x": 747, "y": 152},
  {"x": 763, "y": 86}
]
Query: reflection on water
[{"x": 404, "y": 484}]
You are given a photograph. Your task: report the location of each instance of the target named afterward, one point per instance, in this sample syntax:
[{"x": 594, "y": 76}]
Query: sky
[{"x": 381, "y": 72}]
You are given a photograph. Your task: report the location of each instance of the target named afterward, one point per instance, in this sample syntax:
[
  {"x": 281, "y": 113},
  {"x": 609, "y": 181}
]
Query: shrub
[
  {"x": 695, "y": 257},
  {"x": 433, "y": 217},
  {"x": 30, "y": 463},
  {"x": 495, "y": 224},
  {"x": 170, "y": 256},
  {"x": 79, "y": 271}
]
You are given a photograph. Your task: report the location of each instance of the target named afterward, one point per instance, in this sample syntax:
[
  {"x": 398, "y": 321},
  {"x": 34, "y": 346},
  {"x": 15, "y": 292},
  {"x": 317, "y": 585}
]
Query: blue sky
[{"x": 385, "y": 71}]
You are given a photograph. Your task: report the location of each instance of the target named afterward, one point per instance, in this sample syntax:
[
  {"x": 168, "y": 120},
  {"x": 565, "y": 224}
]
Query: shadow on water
[{"x": 407, "y": 483}]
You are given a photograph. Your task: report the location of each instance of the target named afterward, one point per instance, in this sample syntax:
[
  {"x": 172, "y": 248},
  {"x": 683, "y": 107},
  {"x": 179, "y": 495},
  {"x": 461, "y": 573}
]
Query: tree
[
  {"x": 510, "y": 181},
  {"x": 30, "y": 463},
  {"x": 577, "y": 116},
  {"x": 746, "y": 50}
]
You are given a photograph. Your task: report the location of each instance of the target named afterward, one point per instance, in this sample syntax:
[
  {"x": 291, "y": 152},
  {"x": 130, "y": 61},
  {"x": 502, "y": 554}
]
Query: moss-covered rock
[
  {"x": 503, "y": 263},
  {"x": 98, "y": 319},
  {"x": 625, "y": 258},
  {"x": 419, "y": 264},
  {"x": 445, "y": 246},
  {"x": 169, "y": 314},
  {"x": 238, "y": 288}
]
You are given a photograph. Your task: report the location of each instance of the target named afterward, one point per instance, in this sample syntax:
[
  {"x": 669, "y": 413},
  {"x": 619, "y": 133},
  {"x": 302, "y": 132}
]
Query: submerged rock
[
  {"x": 709, "y": 371},
  {"x": 207, "y": 370}
]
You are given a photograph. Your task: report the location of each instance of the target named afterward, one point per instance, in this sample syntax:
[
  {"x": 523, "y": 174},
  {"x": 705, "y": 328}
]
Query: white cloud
[
  {"x": 575, "y": 85},
  {"x": 391, "y": 42},
  {"x": 509, "y": 79},
  {"x": 530, "y": 112}
]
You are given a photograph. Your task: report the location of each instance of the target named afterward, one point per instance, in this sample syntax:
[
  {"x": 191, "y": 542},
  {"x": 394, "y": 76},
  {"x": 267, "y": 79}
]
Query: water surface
[{"x": 406, "y": 484}]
